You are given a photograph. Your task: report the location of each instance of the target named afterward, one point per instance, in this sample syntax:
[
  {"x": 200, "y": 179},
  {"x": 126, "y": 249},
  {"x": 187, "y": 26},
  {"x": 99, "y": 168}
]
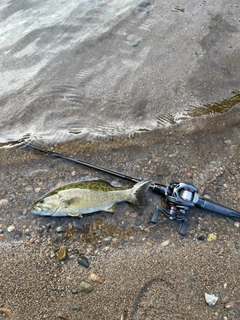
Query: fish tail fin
[{"x": 138, "y": 194}]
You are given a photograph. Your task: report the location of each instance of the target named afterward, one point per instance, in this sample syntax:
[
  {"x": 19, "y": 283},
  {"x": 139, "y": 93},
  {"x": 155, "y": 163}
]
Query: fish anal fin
[{"x": 112, "y": 208}]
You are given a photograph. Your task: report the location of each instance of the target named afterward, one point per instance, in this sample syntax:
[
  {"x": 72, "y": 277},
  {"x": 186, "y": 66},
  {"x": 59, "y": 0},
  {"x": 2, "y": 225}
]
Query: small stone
[
  {"x": 144, "y": 4},
  {"x": 86, "y": 287},
  {"x": 28, "y": 188},
  {"x": 83, "y": 261},
  {"x": 61, "y": 229},
  {"x": 74, "y": 291},
  {"x": 3, "y": 202},
  {"x": 76, "y": 308},
  {"x": 225, "y": 299},
  {"x": 107, "y": 240},
  {"x": 212, "y": 237},
  {"x": 6, "y": 311},
  {"x": 229, "y": 305},
  {"x": 11, "y": 228},
  {"x": 62, "y": 316},
  {"x": 51, "y": 254},
  {"x": 201, "y": 238},
  {"x": 37, "y": 189},
  {"x": 149, "y": 244},
  {"x": 211, "y": 299},
  {"x": 236, "y": 224},
  {"x": 165, "y": 243},
  {"x": 62, "y": 254},
  {"x": 95, "y": 278}
]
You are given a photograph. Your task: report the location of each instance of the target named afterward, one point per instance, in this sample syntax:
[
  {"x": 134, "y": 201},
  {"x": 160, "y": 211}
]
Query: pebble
[
  {"x": 61, "y": 229},
  {"x": 229, "y": 305},
  {"x": 95, "y": 278},
  {"x": 28, "y": 188},
  {"x": 37, "y": 189},
  {"x": 144, "y": 4},
  {"x": 211, "y": 299},
  {"x": 74, "y": 291},
  {"x": 107, "y": 240},
  {"x": 211, "y": 237},
  {"x": 6, "y": 311},
  {"x": 86, "y": 287},
  {"x": 11, "y": 228},
  {"x": 83, "y": 261},
  {"x": 165, "y": 243},
  {"x": 76, "y": 308},
  {"x": 3, "y": 202},
  {"x": 149, "y": 244},
  {"x": 236, "y": 224},
  {"x": 62, "y": 316},
  {"x": 62, "y": 254}
]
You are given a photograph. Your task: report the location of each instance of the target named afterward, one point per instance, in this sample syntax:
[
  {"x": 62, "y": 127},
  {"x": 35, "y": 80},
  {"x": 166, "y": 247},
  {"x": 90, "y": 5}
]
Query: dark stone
[
  {"x": 201, "y": 238},
  {"x": 144, "y": 4},
  {"x": 83, "y": 261}
]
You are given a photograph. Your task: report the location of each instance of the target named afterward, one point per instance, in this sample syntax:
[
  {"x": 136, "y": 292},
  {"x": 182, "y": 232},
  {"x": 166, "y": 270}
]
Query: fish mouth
[{"x": 35, "y": 210}]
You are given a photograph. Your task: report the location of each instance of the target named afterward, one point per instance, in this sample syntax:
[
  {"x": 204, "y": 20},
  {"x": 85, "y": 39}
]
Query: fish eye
[{"x": 41, "y": 201}]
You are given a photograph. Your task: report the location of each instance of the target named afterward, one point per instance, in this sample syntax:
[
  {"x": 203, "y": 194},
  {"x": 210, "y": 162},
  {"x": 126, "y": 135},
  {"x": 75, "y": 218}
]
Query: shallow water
[{"x": 108, "y": 68}]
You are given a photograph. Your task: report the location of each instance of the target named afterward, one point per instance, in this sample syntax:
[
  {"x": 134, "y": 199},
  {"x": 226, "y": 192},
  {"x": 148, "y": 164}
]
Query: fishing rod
[{"x": 179, "y": 196}]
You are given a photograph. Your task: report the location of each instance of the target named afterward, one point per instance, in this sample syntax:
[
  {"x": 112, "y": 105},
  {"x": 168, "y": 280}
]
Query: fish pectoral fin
[
  {"x": 112, "y": 208},
  {"x": 75, "y": 214},
  {"x": 70, "y": 202}
]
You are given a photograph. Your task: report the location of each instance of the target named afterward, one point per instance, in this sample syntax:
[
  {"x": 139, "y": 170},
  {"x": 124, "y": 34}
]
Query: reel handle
[
  {"x": 155, "y": 215},
  {"x": 183, "y": 228}
]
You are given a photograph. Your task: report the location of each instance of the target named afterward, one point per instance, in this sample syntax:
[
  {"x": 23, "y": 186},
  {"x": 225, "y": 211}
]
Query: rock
[
  {"x": 229, "y": 305},
  {"x": 76, "y": 308},
  {"x": 211, "y": 299},
  {"x": 236, "y": 224},
  {"x": 62, "y": 316},
  {"x": 74, "y": 291},
  {"x": 212, "y": 237},
  {"x": 83, "y": 261},
  {"x": 28, "y": 188},
  {"x": 107, "y": 240},
  {"x": 95, "y": 278},
  {"x": 6, "y": 311},
  {"x": 165, "y": 243},
  {"x": 86, "y": 287},
  {"x": 61, "y": 229},
  {"x": 62, "y": 254},
  {"x": 11, "y": 228},
  {"x": 144, "y": 4},
  {"x": 3, "y": 202},
  {"x": 51, "y": 254}
]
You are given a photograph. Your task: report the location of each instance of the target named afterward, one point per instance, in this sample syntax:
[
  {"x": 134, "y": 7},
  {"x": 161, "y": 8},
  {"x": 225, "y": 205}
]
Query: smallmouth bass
[{"x": 85, "y": 197}]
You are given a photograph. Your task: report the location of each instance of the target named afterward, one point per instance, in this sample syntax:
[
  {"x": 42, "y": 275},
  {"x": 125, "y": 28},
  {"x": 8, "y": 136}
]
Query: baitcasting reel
[{"x": 180, "y": 196}]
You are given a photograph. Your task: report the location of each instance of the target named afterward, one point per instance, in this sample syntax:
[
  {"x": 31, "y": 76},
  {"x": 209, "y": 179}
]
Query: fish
[{"x": 85, "y": 197}]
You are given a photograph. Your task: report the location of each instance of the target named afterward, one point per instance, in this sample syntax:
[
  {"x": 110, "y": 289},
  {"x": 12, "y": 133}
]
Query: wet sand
[{"x": 148, "y": 271}]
